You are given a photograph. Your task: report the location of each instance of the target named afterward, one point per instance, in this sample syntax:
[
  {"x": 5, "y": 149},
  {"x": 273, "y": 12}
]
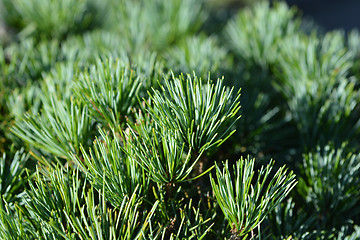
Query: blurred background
[
  {"x": 331, "y": 14},
  {"x": 327, "y": 14}
]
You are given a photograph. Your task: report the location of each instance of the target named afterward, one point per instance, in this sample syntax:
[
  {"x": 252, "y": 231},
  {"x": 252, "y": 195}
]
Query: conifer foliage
[{"x": 160, "y": 120}]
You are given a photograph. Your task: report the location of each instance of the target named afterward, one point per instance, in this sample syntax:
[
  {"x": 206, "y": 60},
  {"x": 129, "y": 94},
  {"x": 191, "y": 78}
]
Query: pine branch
[
  {"x": 246, "y": 202},
  {"x": 329, "y": 184},
  {"x": 12, "y": 178},
  {"x": 109, "y": 89},
  {"x": 59, "y": 130},
  {"x": 108, "y": 167},
  {"x": 203, "y": 114}
]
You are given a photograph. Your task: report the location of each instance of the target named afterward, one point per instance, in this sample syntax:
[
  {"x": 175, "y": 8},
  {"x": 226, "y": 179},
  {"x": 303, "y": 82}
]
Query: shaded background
[
  {"x": 327, "y": 14},
  {"x": 331, "y": 14}
]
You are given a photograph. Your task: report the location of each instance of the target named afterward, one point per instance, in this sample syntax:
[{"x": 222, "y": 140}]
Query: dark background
[{"x": 331, "y": 14}]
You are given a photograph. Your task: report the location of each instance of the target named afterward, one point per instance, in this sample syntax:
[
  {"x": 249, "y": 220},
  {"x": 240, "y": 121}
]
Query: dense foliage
[{"x": 160, "y": 119}]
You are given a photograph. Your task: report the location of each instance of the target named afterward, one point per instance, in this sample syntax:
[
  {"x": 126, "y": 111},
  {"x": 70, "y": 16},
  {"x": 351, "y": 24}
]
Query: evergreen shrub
[{"x": 161, "y": 119}]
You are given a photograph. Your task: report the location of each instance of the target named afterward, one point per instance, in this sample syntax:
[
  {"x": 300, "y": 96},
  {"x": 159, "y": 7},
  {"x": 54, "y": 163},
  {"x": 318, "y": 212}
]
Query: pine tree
[{"x": 159, "y": 120}]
